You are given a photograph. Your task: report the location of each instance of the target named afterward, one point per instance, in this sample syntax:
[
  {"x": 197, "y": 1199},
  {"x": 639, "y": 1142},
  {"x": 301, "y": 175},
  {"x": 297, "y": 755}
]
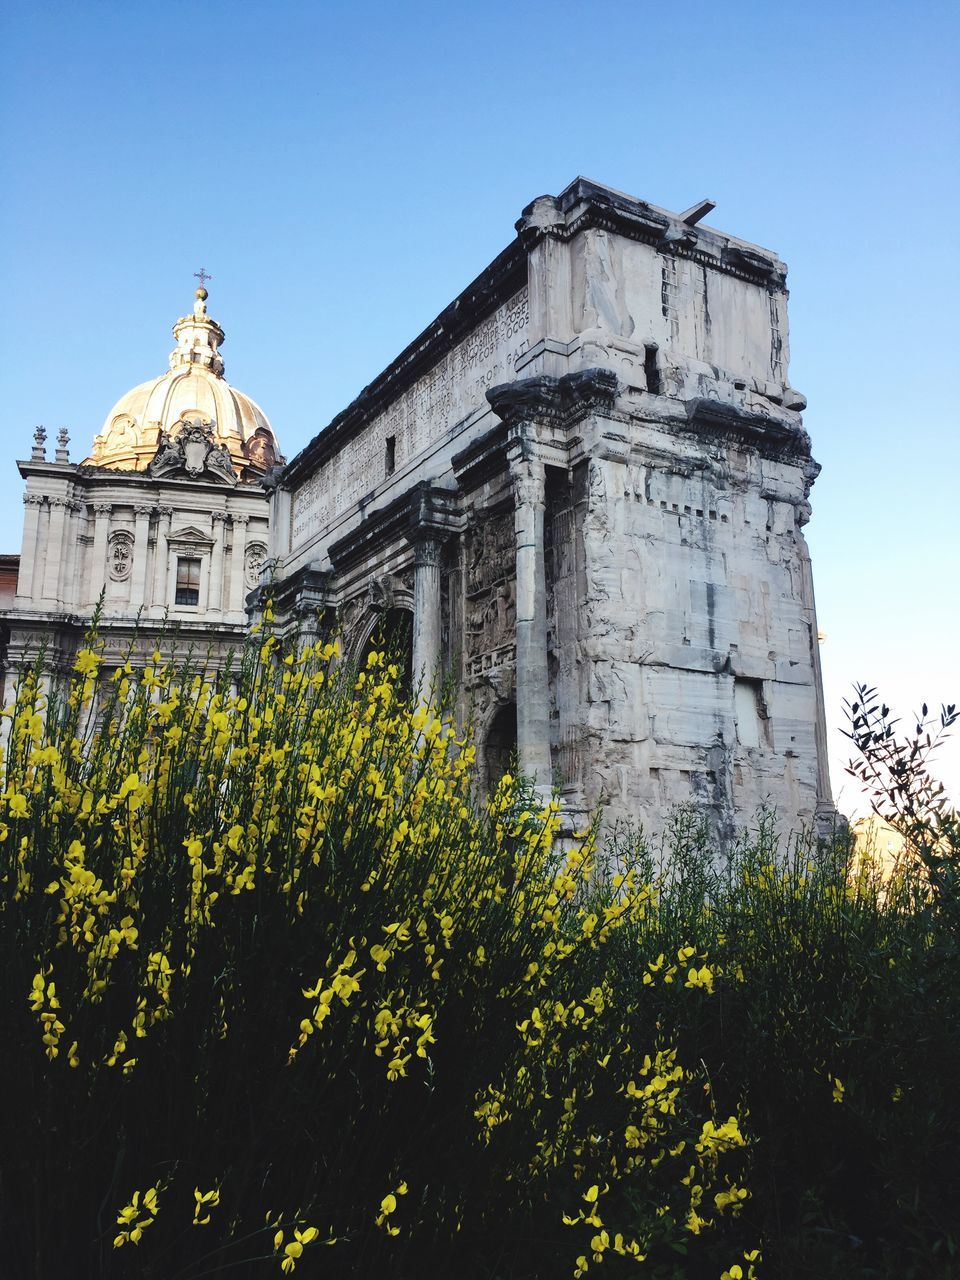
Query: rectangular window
[
  {"x": 391, "y": 455},
  {"x": 188, "y": 580},
  {"x": 652, "y": 370}
]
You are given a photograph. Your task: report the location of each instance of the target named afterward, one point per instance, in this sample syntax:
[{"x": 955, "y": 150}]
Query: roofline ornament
[{"x": 194, "y": 451}]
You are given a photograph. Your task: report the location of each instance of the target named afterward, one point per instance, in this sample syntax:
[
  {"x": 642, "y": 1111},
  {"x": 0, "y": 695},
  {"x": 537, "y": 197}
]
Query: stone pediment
[
  {"x": 190, "y": 533},
  {"x": 193, "y": 451}
]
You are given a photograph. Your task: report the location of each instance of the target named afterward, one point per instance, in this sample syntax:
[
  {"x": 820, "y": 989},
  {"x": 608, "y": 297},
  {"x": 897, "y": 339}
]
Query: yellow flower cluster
[
  {"x": 292, "y": 1250},
  {"x": 136, "y": 1216}
]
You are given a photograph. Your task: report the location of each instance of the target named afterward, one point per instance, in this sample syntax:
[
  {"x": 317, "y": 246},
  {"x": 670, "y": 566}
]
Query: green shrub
[{"x": 276, "y": 994}]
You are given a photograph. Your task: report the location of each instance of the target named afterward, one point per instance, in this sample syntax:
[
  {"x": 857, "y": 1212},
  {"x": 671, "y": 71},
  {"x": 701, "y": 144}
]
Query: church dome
[{"x": 193, "y": 391}]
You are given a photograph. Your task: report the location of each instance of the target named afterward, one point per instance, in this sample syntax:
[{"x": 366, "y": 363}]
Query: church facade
[
  {"x": 582, "y": 491},
  {"x": 166, "y": 520}
]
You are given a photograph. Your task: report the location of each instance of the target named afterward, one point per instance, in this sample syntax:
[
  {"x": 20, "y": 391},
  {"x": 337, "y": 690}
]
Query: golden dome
[{"x": 193, "y": 390}]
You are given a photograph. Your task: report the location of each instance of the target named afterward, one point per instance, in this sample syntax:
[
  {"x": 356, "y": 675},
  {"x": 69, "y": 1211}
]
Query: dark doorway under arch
[
  {"x": 500, "y": 746},
  {"x": 393, "y": 635}
]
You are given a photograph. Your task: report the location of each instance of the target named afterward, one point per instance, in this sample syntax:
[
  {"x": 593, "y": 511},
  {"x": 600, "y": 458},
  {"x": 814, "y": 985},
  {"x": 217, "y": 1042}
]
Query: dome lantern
[{"x": 198, "y": 339}]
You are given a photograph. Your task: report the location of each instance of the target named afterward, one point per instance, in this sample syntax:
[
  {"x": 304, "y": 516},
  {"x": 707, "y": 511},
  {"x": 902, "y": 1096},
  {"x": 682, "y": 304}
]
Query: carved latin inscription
[{"x": 452, "y": 390}]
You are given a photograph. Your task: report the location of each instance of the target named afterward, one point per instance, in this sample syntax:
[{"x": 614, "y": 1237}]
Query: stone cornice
[
  {"x": 544, "y": 399},
  {"x": 585, "y": 204},
  {"x": 772, "y": 437},
  {"x": 307, "y": 588},
  {"x": 424, "y": 511},
  {"x": 90, "y": 478},
  {"x": 482, "y": 459},
  {"x": 580, "y": 206}
]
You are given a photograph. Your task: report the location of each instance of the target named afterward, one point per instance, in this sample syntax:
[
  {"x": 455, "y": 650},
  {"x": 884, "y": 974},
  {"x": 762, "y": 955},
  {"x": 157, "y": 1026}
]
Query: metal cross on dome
[{"x": 203, "y": 276}]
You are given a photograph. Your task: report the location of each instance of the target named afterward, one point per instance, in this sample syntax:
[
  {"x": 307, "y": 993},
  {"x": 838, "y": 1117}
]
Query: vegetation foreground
[{"x": 278, "y": 996}]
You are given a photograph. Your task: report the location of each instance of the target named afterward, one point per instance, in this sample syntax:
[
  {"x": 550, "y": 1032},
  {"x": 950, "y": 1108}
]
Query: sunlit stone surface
[
  {"x": 585, "y": 483},
  {"x": 167, "y": 518}
]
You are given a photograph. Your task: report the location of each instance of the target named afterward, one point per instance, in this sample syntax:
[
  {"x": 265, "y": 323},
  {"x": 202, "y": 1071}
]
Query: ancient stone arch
[
  {"x": 392, "y": 627},
  {"x": 497, "y": 744}
]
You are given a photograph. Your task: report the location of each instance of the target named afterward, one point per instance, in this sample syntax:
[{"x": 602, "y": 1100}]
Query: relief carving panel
[{"x": 491, "y": 598}]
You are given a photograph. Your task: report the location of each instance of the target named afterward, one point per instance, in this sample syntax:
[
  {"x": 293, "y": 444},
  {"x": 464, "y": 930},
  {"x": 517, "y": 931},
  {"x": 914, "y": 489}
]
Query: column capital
[
  {"x": 240, "y": 520},
  {"x": 427, "y": 550},
  {"x": 143, "y": 512},
  {"x": 33, "y": 499},
  {"x": 102, "y": 508},
  {"x": 59, "y": 502},
  {"x": 164, "y": 512},
  {"x": 218, "y": 516},
  {"x": 529, "y": 476}
]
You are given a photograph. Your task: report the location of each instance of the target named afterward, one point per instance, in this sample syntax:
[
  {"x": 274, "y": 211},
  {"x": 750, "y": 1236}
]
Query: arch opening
[
  {"x": 500, "y": 746},
  {"x": 394, "y": 635}
]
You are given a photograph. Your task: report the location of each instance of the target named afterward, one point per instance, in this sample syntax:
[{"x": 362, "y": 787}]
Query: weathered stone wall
[
  {"x": 696, "y": 651},
  {"x": 448, "y": 393},
  {"x": 587, "y": 481}
]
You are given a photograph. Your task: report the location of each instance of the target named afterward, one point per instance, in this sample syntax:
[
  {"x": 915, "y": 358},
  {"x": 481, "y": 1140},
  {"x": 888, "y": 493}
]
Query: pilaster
[
  {"x": 237, "y": 553},
  {"x": 278, "y": 544},
  {"x": 71, "y": 588},
  {"x": 215, "y": 598},
  {"x": 32, "y": 502},
  {"x": 98, "y": 563},
  {"x": 54, "y": 558},
  {"x": 543, "y": 228},
  {"x": 161, "y": 563},
  {"x": 138, "y": 576},
  {"x": 826, "y": 810}
]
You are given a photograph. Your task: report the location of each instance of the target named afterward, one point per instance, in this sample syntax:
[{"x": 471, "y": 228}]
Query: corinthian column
[
  {"x": 426, "y": 615},
  {"x": 533, "y": 687}
]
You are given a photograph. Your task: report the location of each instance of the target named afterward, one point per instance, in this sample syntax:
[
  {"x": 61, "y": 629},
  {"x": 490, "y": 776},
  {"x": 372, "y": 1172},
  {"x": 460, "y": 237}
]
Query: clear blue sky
[{"x": 344, "y": 169}]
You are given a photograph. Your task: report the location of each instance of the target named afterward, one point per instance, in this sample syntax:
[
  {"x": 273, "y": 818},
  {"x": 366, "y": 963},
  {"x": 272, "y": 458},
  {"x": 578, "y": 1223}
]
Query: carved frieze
[
  {"x": 490, "y": 551},
  {"x": 491, "y": 604}
]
